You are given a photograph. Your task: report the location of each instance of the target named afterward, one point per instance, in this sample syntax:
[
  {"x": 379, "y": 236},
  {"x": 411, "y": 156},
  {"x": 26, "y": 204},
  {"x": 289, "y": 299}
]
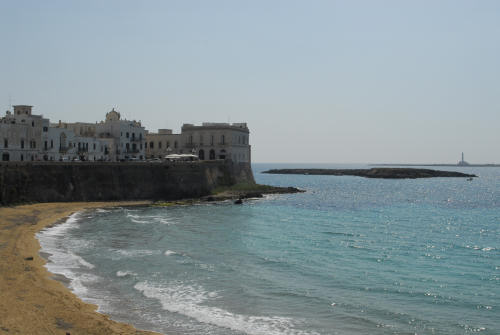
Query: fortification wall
[{"x": 22, "y": 182}]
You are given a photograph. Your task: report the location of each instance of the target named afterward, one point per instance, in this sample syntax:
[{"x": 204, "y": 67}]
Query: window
[
  {"x": 32, "y": 123},
  {"x": 223, "y": 139},
  {"x": 94, "y": 146},
  {"x": 190, "y": 139},
  {"x": 5, "y": 143},
  {"x": 45, "y": 145},
  {"x": 45, "y": 129},
  {"x": 51, "y": 144},
  {"x": 175, "y": 144},
  {"x": 22, "y": 158},
  {"x": 168, "y": 144},
  {"x": 151, "y": 144},
  {"x": 159, "y": 144},
  {"x": 22, "y": 144},
  {"x": 211, "y": 139}
]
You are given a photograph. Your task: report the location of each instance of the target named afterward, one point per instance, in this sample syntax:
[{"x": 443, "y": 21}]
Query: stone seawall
[{"x": 23, "y": 182}]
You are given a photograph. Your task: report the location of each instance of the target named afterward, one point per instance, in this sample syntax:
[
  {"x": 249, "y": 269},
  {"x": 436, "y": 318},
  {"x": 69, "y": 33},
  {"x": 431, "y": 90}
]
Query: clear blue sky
[{"x": 317, "y": 81}]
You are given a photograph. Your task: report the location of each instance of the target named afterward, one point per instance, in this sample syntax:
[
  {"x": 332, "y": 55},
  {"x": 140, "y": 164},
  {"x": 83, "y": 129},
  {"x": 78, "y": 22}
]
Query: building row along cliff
[
  {"x": 28, "y": 137},
  {"x": 25, "y": 136}
]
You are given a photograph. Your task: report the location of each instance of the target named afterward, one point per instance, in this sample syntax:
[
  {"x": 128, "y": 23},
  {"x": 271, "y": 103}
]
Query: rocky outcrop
[
  {"x": 386, "y": 173},
  {"x": 102, "y": 181}
]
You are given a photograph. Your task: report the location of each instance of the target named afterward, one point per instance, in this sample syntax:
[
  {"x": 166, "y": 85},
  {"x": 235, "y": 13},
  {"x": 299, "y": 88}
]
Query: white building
[
  {"x": 21, "y": 134},
  {"x": 129, "y": 140}
]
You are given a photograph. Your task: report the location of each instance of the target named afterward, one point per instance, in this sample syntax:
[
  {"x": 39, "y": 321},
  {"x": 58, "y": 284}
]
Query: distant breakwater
[
  {"x": 385, "y": 173},
  {"x": 25, "y": 182}
]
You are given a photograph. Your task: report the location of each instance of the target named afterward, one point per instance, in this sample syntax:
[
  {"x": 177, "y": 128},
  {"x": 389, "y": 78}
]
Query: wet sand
[{"x": 31, "y": 300}]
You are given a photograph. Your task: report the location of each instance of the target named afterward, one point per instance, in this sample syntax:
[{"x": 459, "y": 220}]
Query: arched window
[
  {"x": 201, "y": 154},
  {"x": 127, "y": 134}
]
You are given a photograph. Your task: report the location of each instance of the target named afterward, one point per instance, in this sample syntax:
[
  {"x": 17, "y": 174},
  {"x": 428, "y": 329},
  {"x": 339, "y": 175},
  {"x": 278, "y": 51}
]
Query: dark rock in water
[
  {"x": 238, "y": 202},
  {"x": 251, "y": 195},
  {"x": 385, "y": 173},
  {"x": 210, "y": 198}
]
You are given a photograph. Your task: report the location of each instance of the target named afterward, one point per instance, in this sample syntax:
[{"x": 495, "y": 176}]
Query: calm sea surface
[{"x": 349, "y": 256}]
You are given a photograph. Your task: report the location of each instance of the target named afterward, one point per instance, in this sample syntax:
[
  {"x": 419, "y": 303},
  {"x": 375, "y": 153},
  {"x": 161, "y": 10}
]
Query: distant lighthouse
[{"x": 462, "y": 162}]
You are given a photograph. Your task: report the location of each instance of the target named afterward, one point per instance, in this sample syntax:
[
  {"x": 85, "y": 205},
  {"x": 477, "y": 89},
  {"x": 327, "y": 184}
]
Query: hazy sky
[{"x": 316, "y": 81}]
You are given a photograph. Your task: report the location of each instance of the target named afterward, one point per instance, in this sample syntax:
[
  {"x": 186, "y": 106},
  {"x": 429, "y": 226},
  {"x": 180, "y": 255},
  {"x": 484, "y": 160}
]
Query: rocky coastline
[{"x": 384, "y": 173}]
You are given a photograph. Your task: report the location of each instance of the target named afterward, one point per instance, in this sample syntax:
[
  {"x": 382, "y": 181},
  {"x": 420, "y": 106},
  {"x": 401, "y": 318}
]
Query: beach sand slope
[{"x": 31, "y": 302}]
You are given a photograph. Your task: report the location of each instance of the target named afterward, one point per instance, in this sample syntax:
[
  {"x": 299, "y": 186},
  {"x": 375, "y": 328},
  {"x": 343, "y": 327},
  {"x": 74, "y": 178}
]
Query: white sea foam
[
  {"x": 61, "y": 260},
  {"x": 137, "y": 253},
  {"x": 125, "y": 273},
  {"x": 170, "y": 252},
  {"x": 101, "y": 210},
  {"x": 191, "y": 301}
]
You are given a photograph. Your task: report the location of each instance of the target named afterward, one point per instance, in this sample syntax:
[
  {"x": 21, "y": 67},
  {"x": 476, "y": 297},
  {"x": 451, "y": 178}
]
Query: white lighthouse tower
[{"x": 462, "y": 162}]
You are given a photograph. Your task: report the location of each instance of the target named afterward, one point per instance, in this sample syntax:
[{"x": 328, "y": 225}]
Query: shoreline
[{"x": 33, "y": 301}]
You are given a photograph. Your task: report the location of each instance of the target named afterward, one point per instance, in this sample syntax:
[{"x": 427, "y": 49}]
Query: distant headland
[
  {"x": 384, "y": 173},
  {"x": 461, "y": 163}
]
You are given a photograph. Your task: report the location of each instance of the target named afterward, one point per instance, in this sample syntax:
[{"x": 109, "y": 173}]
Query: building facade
[
  {"x": 28, "y": 137},
  {"x": 21, "y": 134},
  {"x": 209, "y": 141},
  {"x": 126, "y": 139}
]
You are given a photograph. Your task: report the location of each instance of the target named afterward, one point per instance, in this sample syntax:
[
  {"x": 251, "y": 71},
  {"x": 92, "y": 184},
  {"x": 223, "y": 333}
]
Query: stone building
[
  {"x": 126, "y": 139},
  {"x": 209, "y": 141},
  {"x": 21, "y": 134},
  {"x": 163, "y": 143}
]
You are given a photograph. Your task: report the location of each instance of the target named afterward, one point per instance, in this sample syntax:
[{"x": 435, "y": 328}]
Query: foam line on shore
[{"x": 28, "y": 287}]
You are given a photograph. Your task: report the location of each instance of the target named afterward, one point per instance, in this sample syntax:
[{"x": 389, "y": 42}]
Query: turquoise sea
[{"x": 349, "y": 256}]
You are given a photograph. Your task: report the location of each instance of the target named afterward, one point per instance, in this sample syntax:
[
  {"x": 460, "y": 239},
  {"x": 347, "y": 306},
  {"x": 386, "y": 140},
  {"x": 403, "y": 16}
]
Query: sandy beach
[{"x": 32, "y": 302}]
